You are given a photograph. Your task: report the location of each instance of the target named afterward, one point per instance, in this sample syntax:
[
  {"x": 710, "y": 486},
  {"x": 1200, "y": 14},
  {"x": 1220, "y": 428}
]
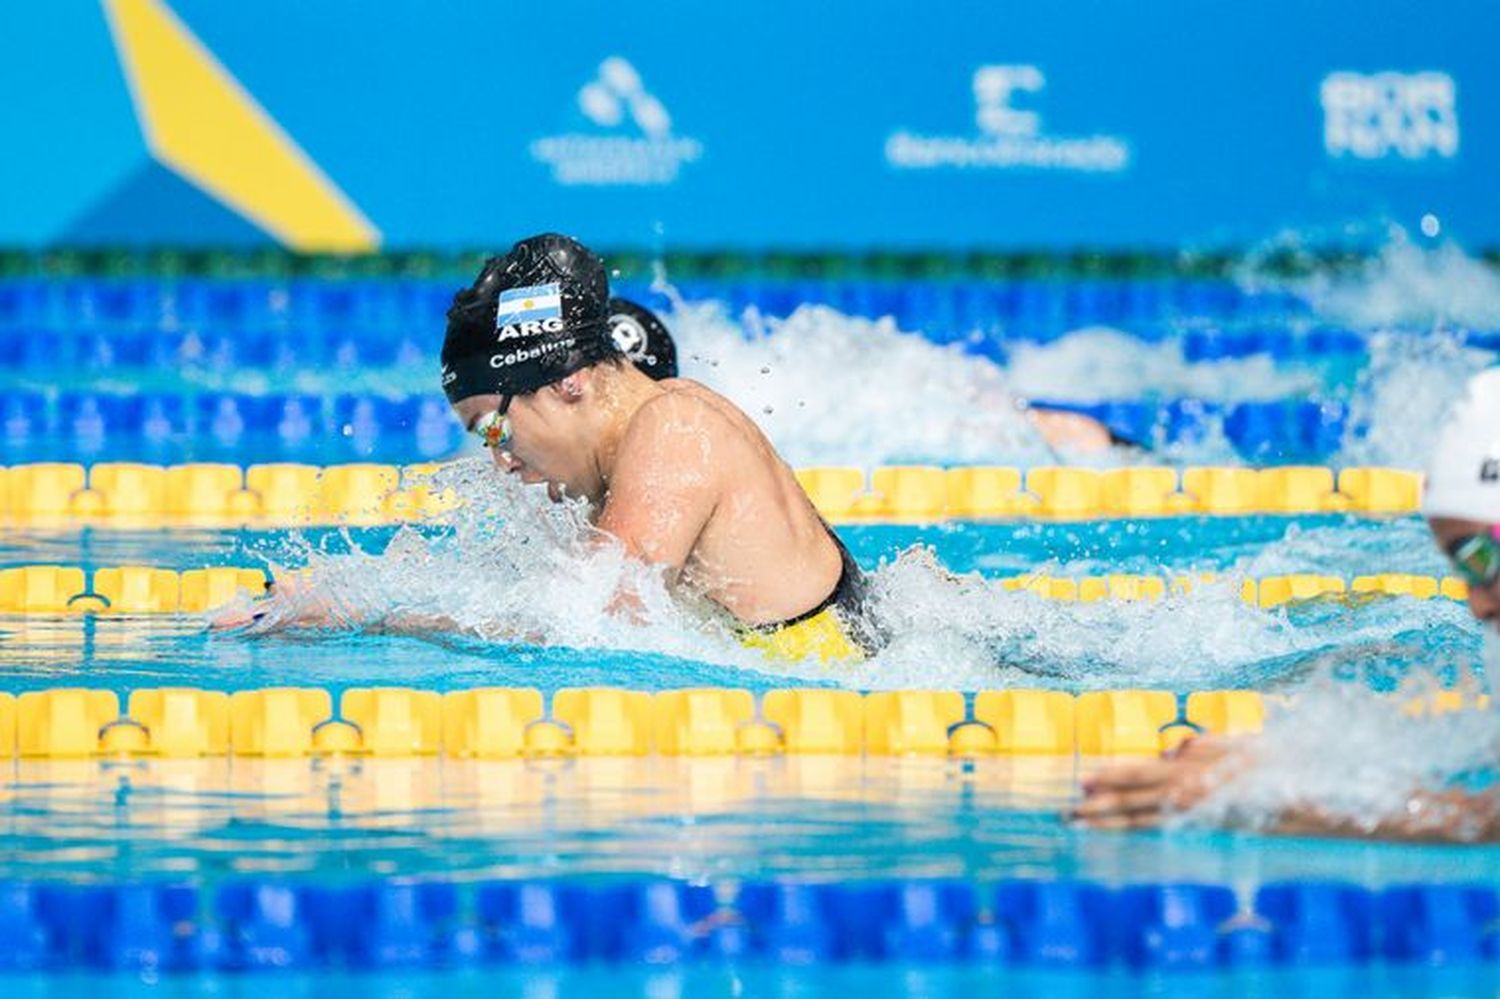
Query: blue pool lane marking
[{"x": 275, "y": 925}]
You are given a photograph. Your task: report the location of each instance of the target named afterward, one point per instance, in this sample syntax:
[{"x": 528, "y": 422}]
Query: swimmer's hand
[
  {"x": 1141, "y": 794},
  {"x": 288, "y": 603}
]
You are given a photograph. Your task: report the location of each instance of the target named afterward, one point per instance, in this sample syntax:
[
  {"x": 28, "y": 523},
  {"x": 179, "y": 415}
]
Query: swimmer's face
[
  {"x": 541, "y": 449},
  {"x": 1484, "y": 601}
]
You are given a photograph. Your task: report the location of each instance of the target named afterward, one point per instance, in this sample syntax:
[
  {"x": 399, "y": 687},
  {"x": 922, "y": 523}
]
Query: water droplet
[
  {"x": 768, "y": 411},
  {"x": 1431, "y": 226},
  {"x": 765, "y": 371}
]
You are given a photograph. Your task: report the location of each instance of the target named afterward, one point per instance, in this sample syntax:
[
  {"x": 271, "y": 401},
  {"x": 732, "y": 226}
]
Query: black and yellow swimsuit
[{"x": 838, "y": 629}]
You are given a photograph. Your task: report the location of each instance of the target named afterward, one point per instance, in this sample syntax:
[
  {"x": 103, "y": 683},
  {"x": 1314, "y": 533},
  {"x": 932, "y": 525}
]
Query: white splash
[
  {"x": 1098, "y": 363},
  {"x": 1373, "y": 757},
  {"x": 509, "y": 567}
]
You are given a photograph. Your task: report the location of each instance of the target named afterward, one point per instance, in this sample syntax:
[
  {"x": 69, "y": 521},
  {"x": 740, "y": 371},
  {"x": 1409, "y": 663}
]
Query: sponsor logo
[
  {"x": 635, "y": 144},
  {"x": 514, "y": 331},
  {"x": 449, "y": 376},
  {"x": 1411, "y": 116},
  {"x": 1007, "y": 137},
  {"x": 629, "y": 336}
]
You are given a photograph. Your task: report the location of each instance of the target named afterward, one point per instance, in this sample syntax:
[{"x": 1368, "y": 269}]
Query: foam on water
[
  {"x": 1375, "y": 758},
  {"x": 511, "y": 568},
  {"x": 1407, "y": 284},
  {"x": 1098, "y": 363}
]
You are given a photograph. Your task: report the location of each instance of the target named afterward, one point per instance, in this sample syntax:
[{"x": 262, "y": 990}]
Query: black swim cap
[
  {"x": 643, "y": 337},
  {"x": 531, "y": 318}
]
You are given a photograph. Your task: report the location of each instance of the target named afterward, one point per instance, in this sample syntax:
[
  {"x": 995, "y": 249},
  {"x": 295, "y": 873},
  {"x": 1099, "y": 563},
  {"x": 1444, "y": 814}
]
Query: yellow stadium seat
[
  {"x": 1381, "y": 490},
  {"x": 1396, "y": 584},
  {"x": 4, "y": 491},
  {"x": 137, "y": 589},
  {"x": 1454, "y": 588},
  {"x": 1119, "y": 586},
  {"x": 1138, "y": 492},
  {"x": 64, "y": 721},
  {"x": 1227, "y": 712},
  {"x": 1122, "y": 722},
  {"x": 127, "y": 489},
  {"x": 1222, "y": 491},
  {"x": 203, "y": 490},
  {"x": 285, "y": 492},
  {"x": 489, "y": 721},
  {"x": 43, "y": 490},
  {"x": 700, "y": 721},
  {"x": 910, "y": 721},
  {"x": 1028, "y": 722},
  {"x": 1065, "y": 492},
  {"x": 1298, "y": 489},
  {"x": 606, "y": 720},
  {"x": 7, "y": 725},
  {"x": 40, "y": 589},
  {"x": 206, "y": 589},
  {"x": 834, "y": 491},
  {"x": 986, "y": 491},
  {"x": 911, "y": 492},
  {"x": 816, "y": 721},
  {"x": 355, "y": 494},
  {"x": 276, "y": 721},
  {"x": 1277, "y": 590},
  {"x": 395, "y": 721},
  {"x": 183, "y": 721}
]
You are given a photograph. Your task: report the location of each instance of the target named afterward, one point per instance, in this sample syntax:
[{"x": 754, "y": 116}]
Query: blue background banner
[{"x": 843, "y": 124}]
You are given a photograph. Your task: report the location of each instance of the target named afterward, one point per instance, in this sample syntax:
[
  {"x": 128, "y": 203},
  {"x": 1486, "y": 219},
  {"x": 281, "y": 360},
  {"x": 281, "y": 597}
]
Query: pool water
[
  {"x": 968, "y": 634},
  {"x": 1350, "y": 371}
]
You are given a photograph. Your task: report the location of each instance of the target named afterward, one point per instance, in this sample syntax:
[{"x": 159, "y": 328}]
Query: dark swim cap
[
  {"x": 531, "y": 318},
  {"x": 643, "y": 337}
]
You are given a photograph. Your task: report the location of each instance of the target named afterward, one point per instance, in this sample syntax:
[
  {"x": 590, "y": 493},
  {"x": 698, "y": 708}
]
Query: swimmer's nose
[{"x": 1484, "y": 604}]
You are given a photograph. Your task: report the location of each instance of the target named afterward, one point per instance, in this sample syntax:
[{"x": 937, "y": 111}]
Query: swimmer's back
[{"x": 764, "y": 553}]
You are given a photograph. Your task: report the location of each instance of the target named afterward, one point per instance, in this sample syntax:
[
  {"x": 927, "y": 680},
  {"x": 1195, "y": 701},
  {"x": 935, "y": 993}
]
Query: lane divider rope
[
  {"x": 145, "y": 590},
  {"x": 519, "y": 722},
  {"x": 132, "y": 494},
  {"x": 276, "y": 925}
]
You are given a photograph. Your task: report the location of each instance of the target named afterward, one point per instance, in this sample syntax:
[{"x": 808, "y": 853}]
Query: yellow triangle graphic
[{"x": 199, "y": 122}]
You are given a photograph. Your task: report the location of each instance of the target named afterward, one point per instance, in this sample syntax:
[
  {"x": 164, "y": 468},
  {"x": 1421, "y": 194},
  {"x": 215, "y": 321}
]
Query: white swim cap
[{"x": 1463, "y": 477}]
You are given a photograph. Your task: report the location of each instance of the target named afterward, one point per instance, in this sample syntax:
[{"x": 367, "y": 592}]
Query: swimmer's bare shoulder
[{"x": 669, "y": 476}]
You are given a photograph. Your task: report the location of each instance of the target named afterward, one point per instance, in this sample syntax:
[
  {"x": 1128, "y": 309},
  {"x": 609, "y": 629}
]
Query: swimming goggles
[
  {"x": 493, "y": 428},
  {"x": 1477, "y": 558}
]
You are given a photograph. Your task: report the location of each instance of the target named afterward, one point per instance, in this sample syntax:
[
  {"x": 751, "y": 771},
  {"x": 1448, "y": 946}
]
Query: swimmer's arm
[
  {"x": 666, "y": 485},
  {"x": 1143, "y": 794}
]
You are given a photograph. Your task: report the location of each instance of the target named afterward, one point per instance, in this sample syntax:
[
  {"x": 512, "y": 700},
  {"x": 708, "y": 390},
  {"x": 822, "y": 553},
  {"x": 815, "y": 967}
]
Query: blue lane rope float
[{"x": 269, "y": 925}]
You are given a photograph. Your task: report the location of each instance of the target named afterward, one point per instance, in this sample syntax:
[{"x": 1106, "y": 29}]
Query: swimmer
[
  {"x": 671, "y": 470},
  {"x": 536, "y": 363},
  {"x": 1462, "y": 506}
]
